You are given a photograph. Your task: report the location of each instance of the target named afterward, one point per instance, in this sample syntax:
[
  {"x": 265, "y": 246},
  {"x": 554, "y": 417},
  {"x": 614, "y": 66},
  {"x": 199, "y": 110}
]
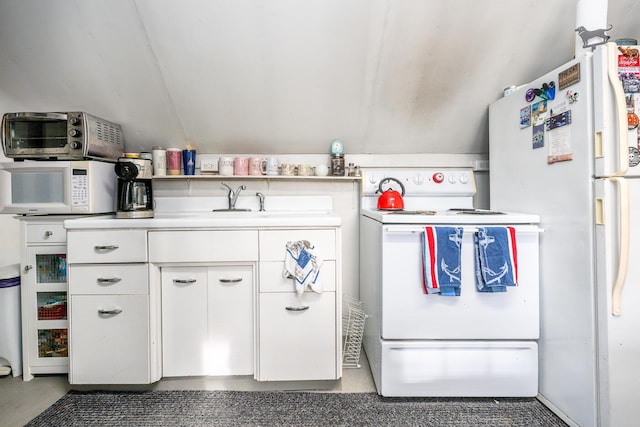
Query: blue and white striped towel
[
  {"x": 441, "y": 261},
  {"x": 301, "y": 264},
  {"x": 496, "y": 258}
]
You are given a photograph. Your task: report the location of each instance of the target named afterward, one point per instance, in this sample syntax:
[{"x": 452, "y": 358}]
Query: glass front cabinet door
[{"x": 45, "y": 328}]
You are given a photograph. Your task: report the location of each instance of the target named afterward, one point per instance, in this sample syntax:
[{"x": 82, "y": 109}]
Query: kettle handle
[{"x": 390, "y": 179}]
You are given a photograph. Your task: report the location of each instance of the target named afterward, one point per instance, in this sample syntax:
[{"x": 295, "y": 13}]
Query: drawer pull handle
[
  {"x": 112, "y": 280},
  {"x": 110, "y": 312},
  {"x": 48, "y": 233},
  {"x": 301, "y": 308},
  {"x": 106, "y": 247},
  {"x": 184, "y": 281},
  {"x": 236, "y": 280}
]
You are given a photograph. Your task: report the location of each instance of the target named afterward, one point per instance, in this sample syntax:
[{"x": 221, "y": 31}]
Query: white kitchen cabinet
[
  {"x": 299, "y": 336},
  {"x": 109, "y": 339},
  {"x": 43, "y": 285},
  {"x": 184, "y": 321},
  {"x": 112, "y": 340},
  {"x": 207, "y": 281}
]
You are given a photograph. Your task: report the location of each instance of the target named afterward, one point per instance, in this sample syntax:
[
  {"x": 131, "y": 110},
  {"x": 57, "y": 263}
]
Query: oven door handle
[{"x": 527, "y": 228}]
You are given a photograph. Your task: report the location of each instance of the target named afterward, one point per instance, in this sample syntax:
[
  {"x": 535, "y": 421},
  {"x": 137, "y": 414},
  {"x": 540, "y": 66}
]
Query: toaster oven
[{"x": 60, "y": 136}]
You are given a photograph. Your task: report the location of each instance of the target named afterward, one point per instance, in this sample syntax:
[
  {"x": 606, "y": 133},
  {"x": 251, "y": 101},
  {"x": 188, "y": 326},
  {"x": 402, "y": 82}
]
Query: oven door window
[
  {"x": 37, "y": 187},
  {"x": 37, "y": 134}
]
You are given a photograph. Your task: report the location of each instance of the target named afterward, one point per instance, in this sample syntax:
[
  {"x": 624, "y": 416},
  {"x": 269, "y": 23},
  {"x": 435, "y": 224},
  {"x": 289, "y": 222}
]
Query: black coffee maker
[{"x": 135, "y": 196}]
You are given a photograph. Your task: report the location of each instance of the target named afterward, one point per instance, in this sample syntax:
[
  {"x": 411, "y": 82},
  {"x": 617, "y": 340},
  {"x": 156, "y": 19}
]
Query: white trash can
[{"x": 10, "y": 328}]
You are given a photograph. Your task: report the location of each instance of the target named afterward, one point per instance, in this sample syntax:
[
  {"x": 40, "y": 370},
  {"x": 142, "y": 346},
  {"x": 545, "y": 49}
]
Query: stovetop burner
[{"x": 473, "y": 211}]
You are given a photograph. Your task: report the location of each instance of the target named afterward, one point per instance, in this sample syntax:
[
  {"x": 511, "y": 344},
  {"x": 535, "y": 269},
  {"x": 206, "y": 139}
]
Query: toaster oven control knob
[
  {"x": 75, "y": 145},
  {"x": 438, "y": 177},
  {"x": 74, "y": 133},
  {"x": 74, "y": 121}
]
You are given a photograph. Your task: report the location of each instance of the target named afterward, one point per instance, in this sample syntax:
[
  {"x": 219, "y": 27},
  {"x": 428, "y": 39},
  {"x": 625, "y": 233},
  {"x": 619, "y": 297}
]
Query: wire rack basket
[{"x": 353, "y": 318}]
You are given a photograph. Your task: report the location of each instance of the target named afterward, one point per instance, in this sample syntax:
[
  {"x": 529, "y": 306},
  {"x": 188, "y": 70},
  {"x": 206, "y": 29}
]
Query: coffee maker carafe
[{"x": 135, "y": 196}]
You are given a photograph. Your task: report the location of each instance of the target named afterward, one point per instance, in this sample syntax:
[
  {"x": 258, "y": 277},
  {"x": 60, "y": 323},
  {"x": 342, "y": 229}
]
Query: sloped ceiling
[{"x": 286, "y": 76}]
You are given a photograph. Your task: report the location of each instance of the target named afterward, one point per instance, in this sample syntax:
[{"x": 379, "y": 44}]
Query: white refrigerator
[{"x": 573, "y": 160}]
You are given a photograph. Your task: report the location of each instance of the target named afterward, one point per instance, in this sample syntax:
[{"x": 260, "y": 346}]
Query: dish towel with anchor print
[
  {"x": 302, "y": 265},
  {"x": 441, "y": 260},
  {"x": 496, "y": 258}
]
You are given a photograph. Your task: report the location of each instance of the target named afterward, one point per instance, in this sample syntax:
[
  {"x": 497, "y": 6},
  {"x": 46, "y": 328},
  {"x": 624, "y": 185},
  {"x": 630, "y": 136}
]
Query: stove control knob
[
  {"x": 464, "y": 179},
  {"x": 452, "y": 179},
  {"x": 418, "y": 179},
  {"x": 438, "y": 177}
]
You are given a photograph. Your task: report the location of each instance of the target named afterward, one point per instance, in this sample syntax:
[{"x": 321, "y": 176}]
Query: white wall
[{"x": 282, "y": 76}]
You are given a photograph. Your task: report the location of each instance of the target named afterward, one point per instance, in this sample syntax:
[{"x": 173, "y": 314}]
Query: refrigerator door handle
[
  {"x": 623, "y": 239},
  {"x": 621, "y": 110}
]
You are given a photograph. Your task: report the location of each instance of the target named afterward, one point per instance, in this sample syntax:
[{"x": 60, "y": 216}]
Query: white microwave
[{"x": 57, "y": 187}]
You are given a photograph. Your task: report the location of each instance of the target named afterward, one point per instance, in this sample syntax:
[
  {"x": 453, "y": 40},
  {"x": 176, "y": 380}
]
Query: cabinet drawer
[
  {"x": 203, "y": 246},
  {"x": 109, "y": 348},
  {"x": 273, "y": 243},
  {"x": 298, "y": 344},
  {"x": 101, "y": 279},
  {"x": 271, "y": 279},
  {"x": 107, "y": 246},
  {"x": 46, "y": 233}
]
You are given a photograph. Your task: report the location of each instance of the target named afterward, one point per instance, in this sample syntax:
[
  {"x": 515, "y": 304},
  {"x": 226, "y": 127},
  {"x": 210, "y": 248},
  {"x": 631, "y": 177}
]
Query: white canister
[
  {"x": 159, "y": 159},
  {"x": 225, "y": 166}
]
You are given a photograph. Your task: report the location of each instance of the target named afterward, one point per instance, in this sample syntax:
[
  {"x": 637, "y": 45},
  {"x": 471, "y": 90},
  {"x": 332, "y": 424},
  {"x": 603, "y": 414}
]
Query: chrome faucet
[
  {"x": 233, "y": 195},
  {"x": 260, "y": 197}
]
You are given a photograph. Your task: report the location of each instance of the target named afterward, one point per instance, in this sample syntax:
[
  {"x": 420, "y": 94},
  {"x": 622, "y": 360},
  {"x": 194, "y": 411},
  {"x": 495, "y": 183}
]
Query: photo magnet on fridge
[
  {"x": 538, "y": 113},
  {"x": 569, "y": 77},
  {"x": 558, "y": 120},
  {"x": 525, "y": 117},
  {"x": 538, "y": 136}
]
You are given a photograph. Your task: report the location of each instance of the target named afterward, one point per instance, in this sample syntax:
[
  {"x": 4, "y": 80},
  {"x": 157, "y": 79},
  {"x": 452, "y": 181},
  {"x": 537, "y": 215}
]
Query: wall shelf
[{"x": 257, "y": 177}]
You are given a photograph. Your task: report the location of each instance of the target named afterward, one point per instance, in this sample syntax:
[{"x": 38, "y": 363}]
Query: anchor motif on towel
[
  {"x": 454, "y": 275},
  {"x": 485, "y": 241},
  {"x": 496, "y": 277}
]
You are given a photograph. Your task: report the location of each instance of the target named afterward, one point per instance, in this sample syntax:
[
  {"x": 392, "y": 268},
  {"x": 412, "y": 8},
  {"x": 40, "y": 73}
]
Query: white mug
[
  {"x": 271, "y": 167},
  {"x": 288, "y": 169},
  {"x": 159, "y": 161},
  {"x": 322, "y": 170},
  {"x": 225, "y": 166},
  {"x": 305, "y": 170}
]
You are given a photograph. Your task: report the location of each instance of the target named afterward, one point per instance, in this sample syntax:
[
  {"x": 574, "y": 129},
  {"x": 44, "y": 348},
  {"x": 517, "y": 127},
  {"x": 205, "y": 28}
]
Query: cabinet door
[
  {"x": 109, "y": 339},
  {"x": 231, "y": 320},
  {"x": 44, "y": 306},
  {"x": 184, "y": 321},
  {"x": 297, "y": 336}
]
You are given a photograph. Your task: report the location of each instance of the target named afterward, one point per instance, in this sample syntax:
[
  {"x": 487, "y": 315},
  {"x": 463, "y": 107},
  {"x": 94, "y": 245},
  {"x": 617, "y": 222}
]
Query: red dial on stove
[{"x": 438, "y": 177}]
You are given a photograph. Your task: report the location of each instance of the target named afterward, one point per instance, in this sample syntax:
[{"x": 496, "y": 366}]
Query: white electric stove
[{"x": 475, "y": 344}]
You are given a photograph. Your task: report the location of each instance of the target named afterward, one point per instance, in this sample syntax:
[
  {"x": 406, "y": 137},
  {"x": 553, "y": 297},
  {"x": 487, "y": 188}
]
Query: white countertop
[{"x": 181, "y": 220}]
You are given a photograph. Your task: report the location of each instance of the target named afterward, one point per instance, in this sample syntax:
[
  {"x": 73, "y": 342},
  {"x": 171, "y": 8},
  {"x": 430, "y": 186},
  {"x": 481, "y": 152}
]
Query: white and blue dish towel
[
  {"x": 441, "y": 262},
  {"x": 496, "y": 258},
  {"x": 301, "y": 264}
]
